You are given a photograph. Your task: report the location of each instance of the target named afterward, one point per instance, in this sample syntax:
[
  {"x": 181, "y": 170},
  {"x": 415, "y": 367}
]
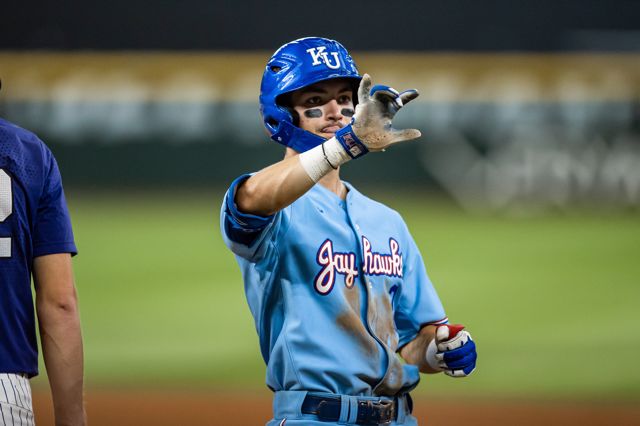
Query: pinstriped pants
[{"x": 15, "y": 401}]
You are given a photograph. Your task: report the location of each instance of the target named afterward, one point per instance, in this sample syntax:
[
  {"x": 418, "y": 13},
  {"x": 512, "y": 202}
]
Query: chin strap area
[{"x": 296, "y": 138}]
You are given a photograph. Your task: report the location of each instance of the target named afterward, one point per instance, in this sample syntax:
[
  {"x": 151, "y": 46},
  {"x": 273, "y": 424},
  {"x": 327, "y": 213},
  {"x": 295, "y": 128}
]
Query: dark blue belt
[{"x": 370, "y": 412}]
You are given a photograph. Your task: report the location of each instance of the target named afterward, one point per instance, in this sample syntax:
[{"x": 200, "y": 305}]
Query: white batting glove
[
  {"x": 452, "y": 351},
  {"x": 370, "y": 130},
  {"x": 375, "y": 111}
]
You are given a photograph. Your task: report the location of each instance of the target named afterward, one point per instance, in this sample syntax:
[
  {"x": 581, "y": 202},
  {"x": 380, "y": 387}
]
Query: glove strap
[{"x": 350, "y": 142}]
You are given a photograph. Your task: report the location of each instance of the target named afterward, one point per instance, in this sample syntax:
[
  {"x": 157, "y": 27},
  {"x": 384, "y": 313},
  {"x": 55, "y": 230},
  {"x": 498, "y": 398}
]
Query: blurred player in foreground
[
  {"x": 36, "y": 238},
  {"x": 334, "y": 280}
]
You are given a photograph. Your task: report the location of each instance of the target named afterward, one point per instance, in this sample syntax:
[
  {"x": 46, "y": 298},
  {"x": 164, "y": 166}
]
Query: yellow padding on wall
[{"x": 214, "y": 77}]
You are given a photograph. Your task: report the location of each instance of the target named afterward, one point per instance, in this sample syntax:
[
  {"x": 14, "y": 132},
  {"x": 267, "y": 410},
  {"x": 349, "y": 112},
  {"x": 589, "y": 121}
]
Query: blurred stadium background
[{"x": 523, "y": 194}]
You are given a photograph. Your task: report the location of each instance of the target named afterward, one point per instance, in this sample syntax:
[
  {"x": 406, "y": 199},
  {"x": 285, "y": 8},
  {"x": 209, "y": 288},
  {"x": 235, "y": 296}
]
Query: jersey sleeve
[
  {"x": 245, "y": 234},
  {"x": 52, "y": 229},
  {"x": 418, "y": 303}
]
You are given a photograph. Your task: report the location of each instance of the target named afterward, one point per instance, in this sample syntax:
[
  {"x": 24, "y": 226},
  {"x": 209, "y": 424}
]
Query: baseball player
[
  {"x": 334, "y": 280},
  {"x": 36, "y": 239}
]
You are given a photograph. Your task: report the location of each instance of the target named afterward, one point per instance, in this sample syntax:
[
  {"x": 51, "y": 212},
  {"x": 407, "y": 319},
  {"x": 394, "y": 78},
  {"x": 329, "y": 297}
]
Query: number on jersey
[{"x": 6, "y": 208}]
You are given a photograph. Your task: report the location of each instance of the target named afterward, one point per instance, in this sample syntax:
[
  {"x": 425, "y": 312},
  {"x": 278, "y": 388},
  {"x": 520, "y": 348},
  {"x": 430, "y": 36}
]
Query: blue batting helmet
[{"x": 295, "y": 65}]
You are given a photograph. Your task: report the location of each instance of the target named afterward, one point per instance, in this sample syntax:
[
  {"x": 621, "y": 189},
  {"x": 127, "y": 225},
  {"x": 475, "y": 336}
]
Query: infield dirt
[{"x": 154, "y": 408}]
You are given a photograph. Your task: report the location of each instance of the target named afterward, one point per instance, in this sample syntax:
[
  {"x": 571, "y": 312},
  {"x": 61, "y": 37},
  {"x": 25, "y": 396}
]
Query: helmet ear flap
[
  {"x": 284, "y": 101},
  {"x": 295, "y": 117},
  {"x": 272, "y": 124}
]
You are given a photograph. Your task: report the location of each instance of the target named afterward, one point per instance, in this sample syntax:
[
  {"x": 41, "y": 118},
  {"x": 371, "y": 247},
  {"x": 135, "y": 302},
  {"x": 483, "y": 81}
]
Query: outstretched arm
[
  {"x": 279, "y": 185},
  {"x": 57, "y": 308},
  {"x": 273, "y": 188}
]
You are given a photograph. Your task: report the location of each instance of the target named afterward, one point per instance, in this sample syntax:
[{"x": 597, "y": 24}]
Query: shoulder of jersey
[
  {"x": 386, "y": 209},
  {"x": 9, "y": 130}
]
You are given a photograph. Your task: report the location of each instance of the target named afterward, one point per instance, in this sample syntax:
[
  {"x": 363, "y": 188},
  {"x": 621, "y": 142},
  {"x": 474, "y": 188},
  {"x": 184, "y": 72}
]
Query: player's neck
[{"x": 332, "y": 182}]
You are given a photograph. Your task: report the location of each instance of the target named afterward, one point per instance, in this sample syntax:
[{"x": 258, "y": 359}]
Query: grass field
[{"x": 552, "y": 301}]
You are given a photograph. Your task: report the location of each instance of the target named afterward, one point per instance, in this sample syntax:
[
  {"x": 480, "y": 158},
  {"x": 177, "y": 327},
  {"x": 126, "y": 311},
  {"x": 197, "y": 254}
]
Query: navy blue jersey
[{"x": 34, "y": 221}]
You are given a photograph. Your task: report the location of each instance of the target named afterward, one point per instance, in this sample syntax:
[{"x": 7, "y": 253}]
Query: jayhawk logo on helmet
[{"x": 293, "y": 66}]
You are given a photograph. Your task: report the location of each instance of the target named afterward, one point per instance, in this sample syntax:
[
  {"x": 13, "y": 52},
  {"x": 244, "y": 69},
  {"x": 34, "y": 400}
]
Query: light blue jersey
[{"x": 336, "y": 287}]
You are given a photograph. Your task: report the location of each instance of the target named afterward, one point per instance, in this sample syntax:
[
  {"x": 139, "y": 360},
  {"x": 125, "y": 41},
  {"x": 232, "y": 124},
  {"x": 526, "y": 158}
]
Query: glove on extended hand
[
  {"x": 453, "y": 351},
  {"x": 371, "y": 128}
]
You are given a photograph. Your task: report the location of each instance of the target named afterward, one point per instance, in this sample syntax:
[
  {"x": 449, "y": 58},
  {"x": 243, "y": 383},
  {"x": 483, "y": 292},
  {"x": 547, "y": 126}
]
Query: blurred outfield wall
[{"x": 500, "y": 131}]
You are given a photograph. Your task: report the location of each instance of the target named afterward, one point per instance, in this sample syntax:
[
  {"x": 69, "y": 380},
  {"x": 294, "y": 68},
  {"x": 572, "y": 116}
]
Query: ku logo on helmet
[{"x": 318, "y": 53}]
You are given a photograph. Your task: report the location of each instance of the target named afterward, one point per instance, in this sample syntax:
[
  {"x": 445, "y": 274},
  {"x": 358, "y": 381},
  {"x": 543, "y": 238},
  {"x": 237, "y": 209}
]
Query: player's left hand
[{"x": 456, "y": 351}]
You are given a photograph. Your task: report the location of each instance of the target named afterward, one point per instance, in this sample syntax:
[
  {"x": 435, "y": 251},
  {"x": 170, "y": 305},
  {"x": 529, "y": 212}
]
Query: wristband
[
  {"x": 327, "y": 158},
  {"x": 320, "y": 160},
  {"x": 350, "y": 142}
]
